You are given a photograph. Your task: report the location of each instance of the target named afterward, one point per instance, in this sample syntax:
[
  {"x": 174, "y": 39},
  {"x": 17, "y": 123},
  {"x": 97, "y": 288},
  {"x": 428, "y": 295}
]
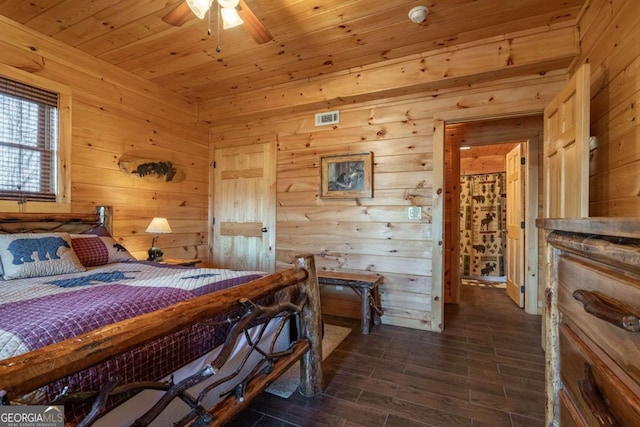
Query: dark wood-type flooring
[{"x": 486, "y": 369}]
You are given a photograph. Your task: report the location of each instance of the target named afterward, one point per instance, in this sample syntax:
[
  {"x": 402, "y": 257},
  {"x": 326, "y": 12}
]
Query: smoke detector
[{"x": 418, "y": 14}]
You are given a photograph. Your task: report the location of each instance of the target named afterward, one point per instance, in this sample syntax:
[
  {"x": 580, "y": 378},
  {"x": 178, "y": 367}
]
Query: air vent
[{"x": 329, "y": 118}]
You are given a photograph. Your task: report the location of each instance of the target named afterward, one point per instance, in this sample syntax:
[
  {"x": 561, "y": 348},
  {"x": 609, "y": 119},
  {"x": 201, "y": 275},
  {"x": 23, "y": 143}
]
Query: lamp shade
[{"x": 158, "y": 226}]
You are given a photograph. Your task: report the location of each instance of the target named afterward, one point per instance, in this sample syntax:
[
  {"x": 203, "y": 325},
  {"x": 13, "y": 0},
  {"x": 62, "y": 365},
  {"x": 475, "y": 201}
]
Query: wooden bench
[{"x": 366, "y": 286}]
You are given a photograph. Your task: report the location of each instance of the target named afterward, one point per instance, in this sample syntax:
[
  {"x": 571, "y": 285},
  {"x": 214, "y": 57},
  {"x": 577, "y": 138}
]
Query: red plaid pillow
[
  {"x": 98, "y": 250},
  {"x": 91, "y": 251}
]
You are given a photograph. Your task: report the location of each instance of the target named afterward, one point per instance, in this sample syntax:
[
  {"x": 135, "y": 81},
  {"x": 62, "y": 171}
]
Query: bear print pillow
[{"x": 37, "y": 254}]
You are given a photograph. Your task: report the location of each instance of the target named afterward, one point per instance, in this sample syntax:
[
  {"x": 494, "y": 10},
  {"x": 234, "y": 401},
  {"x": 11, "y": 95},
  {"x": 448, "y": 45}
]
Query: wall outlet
[
  {"x": 414, "y": 212},
  {"x": 339, "y": 287}
]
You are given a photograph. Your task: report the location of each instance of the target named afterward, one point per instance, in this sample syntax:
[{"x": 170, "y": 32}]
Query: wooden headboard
[{"x": 14, "y": 222}]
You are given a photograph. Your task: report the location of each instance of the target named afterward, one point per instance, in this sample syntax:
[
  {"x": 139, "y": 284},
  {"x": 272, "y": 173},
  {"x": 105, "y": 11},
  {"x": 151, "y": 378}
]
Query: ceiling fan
[{"x": 233, "y": 12}]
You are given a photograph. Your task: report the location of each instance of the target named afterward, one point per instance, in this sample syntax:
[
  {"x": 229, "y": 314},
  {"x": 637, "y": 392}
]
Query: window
[{"x": 28, "y": 142}]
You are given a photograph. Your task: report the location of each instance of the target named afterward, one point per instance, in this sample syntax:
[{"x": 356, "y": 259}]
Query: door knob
[{"x": 265, "y": 229}]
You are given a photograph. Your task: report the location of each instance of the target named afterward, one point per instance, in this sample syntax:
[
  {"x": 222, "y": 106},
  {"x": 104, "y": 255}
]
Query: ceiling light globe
[
  {"x": 228, "y": 3},
  {"x": 199, "y": 7},
  {"x": 230, "y": 18}
]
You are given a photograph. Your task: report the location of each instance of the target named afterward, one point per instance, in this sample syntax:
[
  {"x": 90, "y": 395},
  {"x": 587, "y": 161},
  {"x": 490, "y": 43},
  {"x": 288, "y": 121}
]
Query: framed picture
[{"x": 346, "y": 176}]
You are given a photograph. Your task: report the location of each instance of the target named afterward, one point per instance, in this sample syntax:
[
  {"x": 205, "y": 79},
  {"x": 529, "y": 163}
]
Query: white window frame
[{"x": 63, "y": 193}]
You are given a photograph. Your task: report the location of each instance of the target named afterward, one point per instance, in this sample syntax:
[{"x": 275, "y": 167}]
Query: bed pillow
[
  {"x": 95, "y": 250},
  {"x": 37, "y": 254},
  {"x": 100, "y": 230}
]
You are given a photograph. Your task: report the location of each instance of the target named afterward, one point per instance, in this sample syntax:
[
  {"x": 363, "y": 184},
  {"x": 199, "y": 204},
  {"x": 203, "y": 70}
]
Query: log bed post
[{"x": 311, "y": 379}]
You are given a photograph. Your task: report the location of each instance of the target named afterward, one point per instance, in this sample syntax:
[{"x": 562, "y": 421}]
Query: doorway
[
  {"x": 484, "y": 210},
  {"x": 491, "y": 213},
  {"x": 243, "y": 206},
  {"x": 489, "y": 142}
]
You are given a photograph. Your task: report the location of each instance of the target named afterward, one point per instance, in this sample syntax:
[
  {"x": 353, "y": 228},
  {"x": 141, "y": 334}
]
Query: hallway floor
[{"x": 486, "y": 369}]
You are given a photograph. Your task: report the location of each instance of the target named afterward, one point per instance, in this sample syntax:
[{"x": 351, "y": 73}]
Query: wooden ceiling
[
  {"x": 311, "y": 38},
  {"x": 480, "y": 151}
]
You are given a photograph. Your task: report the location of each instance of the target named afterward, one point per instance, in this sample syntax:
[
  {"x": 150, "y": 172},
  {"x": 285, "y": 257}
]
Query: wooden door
[
  {"x": 566, "y": 195},
  {"x": 566, "y": 149},
  {"x": 515, "y": 229},
  {"x": 244, "y": 207}
]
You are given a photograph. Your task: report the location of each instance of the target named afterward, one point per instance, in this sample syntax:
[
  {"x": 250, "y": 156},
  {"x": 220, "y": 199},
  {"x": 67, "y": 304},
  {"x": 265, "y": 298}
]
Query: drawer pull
[
  {"x": 593, "y": 399},
  {"x": 607, "y": 311}
]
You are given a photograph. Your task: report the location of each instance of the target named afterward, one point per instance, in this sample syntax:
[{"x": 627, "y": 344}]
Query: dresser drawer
[
  {"x": 580, "y": 371},
  {"x": 569, "y": 416},
  {"x": 616, "y": 289}
]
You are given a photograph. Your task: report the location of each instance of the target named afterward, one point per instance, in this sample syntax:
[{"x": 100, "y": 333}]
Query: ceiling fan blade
[
  {"x": 253, "y": 25},
  {"x": 178, "y": 16}
]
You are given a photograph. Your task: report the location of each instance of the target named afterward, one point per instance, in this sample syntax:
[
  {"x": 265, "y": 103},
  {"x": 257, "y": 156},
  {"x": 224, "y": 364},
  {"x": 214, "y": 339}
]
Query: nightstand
[{"x": 187, "y": 262}]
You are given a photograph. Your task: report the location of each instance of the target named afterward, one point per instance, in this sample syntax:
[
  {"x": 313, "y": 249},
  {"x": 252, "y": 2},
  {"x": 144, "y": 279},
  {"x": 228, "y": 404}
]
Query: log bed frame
[{"x": 296, "y": 291}]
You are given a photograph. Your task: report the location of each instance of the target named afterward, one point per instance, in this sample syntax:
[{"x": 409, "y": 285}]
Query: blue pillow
[{"x": 37, "y": 254}]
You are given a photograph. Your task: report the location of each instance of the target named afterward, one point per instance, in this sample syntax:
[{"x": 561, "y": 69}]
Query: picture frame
[{"x": 346, "y": 176}]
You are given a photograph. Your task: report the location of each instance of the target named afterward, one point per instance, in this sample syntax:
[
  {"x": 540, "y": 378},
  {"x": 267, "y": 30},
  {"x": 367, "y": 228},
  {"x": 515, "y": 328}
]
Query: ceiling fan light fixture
[
  {"x": 228, "y": 3},
  {"x": 230, "y": 17},
  {"x": 199, "y": 7}
]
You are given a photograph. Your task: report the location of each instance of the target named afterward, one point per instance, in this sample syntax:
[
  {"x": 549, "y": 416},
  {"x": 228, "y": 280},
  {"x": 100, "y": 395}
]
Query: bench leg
[
  {"x": 366, "y": 312},
  {"x": 377, "y": 307}
]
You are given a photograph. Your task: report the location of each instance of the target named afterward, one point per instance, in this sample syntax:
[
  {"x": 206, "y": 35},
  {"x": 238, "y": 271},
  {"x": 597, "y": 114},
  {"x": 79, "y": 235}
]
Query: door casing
[{"x": 532, "y": 305}]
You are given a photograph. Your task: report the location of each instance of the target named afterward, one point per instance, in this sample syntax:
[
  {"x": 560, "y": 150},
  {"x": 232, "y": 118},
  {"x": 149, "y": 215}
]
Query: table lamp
[{"x": 157, "y": 226}]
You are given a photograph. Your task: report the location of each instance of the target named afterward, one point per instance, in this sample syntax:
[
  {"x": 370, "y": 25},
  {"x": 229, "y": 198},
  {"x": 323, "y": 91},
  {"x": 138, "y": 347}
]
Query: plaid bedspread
[{"x": 41, "y": 311}]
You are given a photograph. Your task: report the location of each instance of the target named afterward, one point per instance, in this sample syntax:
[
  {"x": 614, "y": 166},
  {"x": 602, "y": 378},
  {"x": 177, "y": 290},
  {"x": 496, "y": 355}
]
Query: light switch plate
[{"x": 415, "y": 212}]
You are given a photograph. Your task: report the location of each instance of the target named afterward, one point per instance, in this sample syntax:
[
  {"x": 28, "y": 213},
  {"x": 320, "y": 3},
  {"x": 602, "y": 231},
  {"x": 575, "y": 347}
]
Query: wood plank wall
[
  {"x": 371, "y": 234},
  {"x": 609, "y": 34},
  {"x": 484, "y": 159},
  {"x": 349, "y": 236},
  {"x": 115, "y": 113}
]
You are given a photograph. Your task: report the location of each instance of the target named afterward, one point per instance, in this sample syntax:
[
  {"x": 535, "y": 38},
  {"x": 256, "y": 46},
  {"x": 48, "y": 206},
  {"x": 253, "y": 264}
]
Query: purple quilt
[{"x": 44, "y": 310}]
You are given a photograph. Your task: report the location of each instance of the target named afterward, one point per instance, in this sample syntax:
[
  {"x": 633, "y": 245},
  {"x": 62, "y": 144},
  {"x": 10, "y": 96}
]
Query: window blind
[{"x": 28, "y": 142}]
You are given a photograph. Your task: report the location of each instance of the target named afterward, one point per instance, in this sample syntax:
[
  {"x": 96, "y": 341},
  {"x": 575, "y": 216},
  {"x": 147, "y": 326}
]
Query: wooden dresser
[{"x": 592, "y": 338}]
